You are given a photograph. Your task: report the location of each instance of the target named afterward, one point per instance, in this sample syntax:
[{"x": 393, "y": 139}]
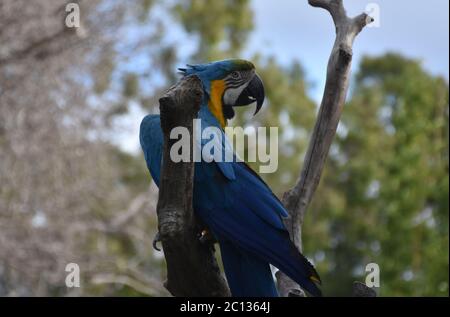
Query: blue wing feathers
[{"x": 151, "y": 140}]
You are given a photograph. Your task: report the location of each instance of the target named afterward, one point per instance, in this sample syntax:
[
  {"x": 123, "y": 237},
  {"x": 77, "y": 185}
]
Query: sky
[{"x": 293, "y": 30}]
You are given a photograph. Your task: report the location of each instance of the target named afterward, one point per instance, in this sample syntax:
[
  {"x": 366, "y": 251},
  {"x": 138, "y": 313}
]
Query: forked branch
[{"x": 298, "y": 198}]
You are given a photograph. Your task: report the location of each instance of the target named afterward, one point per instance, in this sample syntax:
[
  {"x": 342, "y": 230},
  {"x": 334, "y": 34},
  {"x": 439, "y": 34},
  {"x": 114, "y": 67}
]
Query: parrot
[{"x": 239, "y": 209}]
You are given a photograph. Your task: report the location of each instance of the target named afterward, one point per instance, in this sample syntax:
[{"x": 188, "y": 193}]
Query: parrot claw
[
  {"x": 205, "y": 237},
  {"x": 156, "y": 239}
]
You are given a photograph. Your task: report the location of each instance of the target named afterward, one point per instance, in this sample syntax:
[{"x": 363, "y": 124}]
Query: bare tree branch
[
  {"x": 134, "y": 208},
  {"x": 192, "y": 269},
  {"x": 128, "y": 281},
  {"x": 298, "y": 198}
]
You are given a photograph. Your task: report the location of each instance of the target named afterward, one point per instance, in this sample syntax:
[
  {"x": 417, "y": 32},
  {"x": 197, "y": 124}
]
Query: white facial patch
[{"x": 232, "y": 94}]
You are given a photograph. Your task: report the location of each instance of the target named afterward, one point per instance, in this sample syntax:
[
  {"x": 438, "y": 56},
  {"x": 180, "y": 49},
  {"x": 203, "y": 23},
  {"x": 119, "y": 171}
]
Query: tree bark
[
  {"x": 192, "y": 269},
  {"x": 297, "y": 199}
]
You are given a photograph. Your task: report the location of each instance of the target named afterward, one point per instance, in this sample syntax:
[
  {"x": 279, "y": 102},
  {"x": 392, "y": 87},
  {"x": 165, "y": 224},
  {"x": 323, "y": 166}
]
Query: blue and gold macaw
[{"x": 238, "y": 207}]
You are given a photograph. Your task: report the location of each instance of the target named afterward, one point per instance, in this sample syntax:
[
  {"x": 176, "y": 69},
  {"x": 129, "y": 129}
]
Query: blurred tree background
[{"x": 69, "y": 193}]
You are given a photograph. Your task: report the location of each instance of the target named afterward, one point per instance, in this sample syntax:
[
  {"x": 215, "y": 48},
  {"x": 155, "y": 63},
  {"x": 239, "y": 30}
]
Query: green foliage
[
  {"x": 384, "y": 198},
  {"x": 223, "y": 26},
  {"x": 103, "y": 71},
  {"x": 130, "y": 85}
]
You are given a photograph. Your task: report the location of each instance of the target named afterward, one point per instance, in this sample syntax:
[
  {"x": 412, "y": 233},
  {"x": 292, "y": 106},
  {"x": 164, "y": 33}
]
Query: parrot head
[{"x": 228, "y": 84}]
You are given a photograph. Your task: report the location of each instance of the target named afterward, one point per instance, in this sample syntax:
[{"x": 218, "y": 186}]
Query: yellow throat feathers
[{"x": 215, "y": 101}]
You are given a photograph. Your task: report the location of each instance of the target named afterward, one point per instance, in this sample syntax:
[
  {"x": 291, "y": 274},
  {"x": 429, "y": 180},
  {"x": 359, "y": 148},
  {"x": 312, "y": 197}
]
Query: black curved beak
[{"x": 254, "y": 92}]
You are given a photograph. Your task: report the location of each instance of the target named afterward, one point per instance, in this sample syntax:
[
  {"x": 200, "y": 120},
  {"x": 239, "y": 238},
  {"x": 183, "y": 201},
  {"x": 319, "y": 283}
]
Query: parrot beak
[{"x": 254, "y": 92}]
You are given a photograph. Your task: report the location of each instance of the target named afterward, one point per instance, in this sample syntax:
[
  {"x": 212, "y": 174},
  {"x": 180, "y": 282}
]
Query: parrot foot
[
  {"x": 156, "y": 239},
  {"x": 205, "y": 237}
]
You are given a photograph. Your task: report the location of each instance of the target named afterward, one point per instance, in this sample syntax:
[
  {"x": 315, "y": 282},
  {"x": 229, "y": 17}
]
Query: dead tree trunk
[
  {"x": 297, "y": 199},
  {"x": 192, "y": 269}
]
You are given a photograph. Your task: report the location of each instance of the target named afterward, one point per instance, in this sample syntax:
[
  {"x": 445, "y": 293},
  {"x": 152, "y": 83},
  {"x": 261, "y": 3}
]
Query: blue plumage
[{"x": 240, "y": 210}]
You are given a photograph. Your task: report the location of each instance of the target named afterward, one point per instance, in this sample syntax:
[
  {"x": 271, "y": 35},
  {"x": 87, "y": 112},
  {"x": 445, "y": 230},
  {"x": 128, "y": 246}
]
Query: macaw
[{"x": 236, "y": 205}]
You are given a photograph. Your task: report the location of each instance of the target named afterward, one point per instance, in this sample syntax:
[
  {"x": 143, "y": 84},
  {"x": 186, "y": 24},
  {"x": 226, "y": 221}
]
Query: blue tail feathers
[{"x": 246, "y": 274}]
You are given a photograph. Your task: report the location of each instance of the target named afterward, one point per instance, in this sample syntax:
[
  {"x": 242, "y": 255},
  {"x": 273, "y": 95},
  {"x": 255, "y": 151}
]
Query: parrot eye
[{"x": 235, "y": 75}]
